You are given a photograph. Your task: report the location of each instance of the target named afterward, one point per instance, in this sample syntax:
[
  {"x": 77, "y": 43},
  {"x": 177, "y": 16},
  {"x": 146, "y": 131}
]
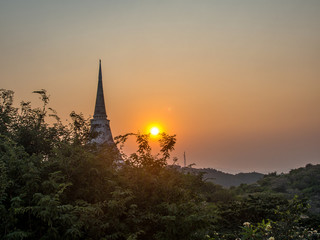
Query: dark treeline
[{"x": 54, "y": 184}]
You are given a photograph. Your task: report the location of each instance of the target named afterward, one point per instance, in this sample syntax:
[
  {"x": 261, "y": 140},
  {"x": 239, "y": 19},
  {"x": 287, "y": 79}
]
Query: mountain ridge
[{"x": 224, "y": 179}]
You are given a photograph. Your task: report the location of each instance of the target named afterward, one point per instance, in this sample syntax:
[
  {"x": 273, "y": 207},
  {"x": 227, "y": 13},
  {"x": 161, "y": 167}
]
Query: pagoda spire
[
  {"x": 100, "y": 124},
  {"x": 100, "y": 108}
]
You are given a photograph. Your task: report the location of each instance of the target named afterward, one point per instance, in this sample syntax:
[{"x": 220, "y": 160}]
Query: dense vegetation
[
  {"x": 303, "y": 182},
  {"x": 55, "y": 184}
]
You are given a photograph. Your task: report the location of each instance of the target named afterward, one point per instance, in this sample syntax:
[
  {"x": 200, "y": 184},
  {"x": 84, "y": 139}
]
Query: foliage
[
  {"x": 56, "y": 184},
  {"x": 286, "y": 224},
  {"x": 303, "y": 182}
]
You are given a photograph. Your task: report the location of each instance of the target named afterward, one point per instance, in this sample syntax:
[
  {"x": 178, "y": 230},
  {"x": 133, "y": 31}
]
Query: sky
[{"x": 238, "y": 82}]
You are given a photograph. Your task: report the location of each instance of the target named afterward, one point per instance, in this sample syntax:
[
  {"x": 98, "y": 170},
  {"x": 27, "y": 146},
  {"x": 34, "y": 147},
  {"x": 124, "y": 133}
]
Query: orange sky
[{"x": 238, "y": 82}]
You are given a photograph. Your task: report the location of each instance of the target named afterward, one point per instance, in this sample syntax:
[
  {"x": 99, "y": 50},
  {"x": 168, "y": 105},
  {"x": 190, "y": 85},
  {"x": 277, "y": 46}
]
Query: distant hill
[
  {"x": 304, "y": 182},
  {"x": 225, "y": 179}
]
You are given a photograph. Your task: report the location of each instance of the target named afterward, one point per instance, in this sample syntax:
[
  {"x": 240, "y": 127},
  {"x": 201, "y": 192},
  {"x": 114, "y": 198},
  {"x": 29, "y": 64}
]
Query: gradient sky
[{"x": 237, "y": 81}]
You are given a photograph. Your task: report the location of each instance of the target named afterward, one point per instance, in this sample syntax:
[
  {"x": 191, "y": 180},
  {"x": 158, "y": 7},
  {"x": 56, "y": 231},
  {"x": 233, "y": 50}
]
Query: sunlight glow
[{"x": 154, "y": 131}]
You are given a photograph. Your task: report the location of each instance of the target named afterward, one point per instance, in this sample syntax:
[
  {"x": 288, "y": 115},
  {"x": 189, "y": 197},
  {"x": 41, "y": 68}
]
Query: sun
[{"x": 154, "y": 131}]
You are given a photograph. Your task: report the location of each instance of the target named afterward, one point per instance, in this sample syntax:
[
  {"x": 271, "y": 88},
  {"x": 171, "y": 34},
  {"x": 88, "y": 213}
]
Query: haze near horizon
[{"x": 237, "y": 82}]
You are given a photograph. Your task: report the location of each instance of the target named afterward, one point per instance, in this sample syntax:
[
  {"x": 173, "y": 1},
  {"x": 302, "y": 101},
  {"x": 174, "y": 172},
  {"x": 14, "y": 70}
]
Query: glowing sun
[{"x": 154, "y": 131}]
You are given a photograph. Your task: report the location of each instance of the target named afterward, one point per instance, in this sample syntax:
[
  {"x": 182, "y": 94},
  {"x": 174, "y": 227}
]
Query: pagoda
[{"x": 100, "y": 122}]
